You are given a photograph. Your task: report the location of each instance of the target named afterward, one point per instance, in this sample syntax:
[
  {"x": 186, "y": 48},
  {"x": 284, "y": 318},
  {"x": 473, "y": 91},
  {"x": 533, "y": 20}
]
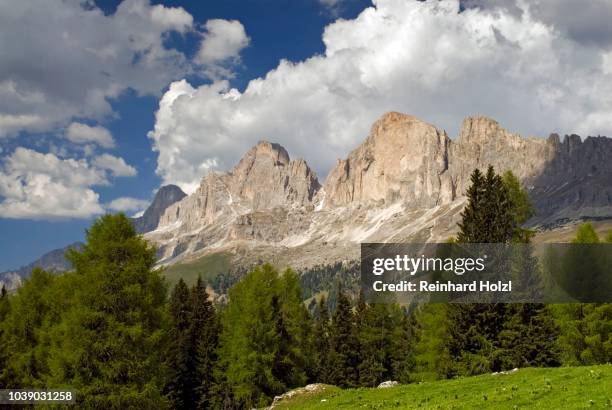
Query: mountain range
[{"x": 405, "y": 182}]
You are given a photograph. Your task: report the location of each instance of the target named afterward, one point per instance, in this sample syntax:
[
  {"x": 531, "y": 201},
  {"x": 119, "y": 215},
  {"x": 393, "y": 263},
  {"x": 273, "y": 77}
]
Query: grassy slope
[
  {"x": 560, "y": 388},
  {"x": 208, "y": 267}
]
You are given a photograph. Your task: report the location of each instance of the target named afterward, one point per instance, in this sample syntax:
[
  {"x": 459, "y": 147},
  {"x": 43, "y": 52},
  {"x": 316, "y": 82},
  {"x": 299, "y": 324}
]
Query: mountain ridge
[{"x": 405, "y": 182}]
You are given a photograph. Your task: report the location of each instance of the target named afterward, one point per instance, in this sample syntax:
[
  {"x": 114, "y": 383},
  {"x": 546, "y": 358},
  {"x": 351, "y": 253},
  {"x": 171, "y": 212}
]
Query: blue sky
[
  {"x": 271, "y": 25},
  {"x": 101, "y": 103}
]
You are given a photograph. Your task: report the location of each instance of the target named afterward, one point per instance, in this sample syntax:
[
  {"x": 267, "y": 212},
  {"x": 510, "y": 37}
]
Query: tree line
[{"x": 110, "y": 329}]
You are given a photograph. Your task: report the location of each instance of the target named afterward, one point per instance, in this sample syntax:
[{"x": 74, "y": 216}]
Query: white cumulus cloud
[
  {"x": 35, "y": 185},
  {"x": 42, "y": 186},
  {"x": 116, "y": 165},
  {"x": 127, "y": 204},
  {"x": 83, "y": 134},
  {"x": 430, "y": 59},
  {"x": 223, "y": 40},
  {"x": 68, "y": 59}
]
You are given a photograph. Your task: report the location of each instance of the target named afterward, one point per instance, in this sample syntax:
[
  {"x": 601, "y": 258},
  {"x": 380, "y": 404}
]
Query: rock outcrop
[
  {"x": 246, "y": 203},
  {"x": 165, "y": 196},
  {"x": 404, "y": 159},
  {"x": 405, "y": 182}
]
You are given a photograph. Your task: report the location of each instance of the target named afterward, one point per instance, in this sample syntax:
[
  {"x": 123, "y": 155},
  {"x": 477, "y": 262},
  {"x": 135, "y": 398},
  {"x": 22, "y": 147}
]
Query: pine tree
[
  {"x": 432, "y": 358},
  {"x": 203, "y": 334},
  {"x": 402, "y": 349},
  {"x": 471, "y": 227},
  {"x": 522, "y": 209},
  {"x": 344, "y": 353},
  {"x": 494, "y": 336},
  {"x": 585, "y": 327},
  {"x": 4, "y": 311},
  {"x": 180, "y": 364},
  {"x": 321, "y": 341},
  {"x": 25, "y": 331}
]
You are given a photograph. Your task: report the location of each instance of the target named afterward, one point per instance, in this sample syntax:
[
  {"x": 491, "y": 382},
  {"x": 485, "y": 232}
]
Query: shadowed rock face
[
  {"x": 405, "y": 182},
  {"x": 165, "y": 196}
]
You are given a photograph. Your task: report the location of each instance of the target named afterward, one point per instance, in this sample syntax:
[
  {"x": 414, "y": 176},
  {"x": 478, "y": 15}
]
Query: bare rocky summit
[{"x": 405, "y": 182}]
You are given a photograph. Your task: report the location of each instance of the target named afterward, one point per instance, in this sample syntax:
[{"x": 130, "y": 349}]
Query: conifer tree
[
  {"x": 321, "y": 343},
  {"x": 263, "y": 339},
  {"x": 471, "y": 227},
  {"x": 494, "y": 336},
  {"x": 402, "y": 349},
  {"x": 109, "y": 343},
  {"x": 585, "y": 327},
  {"x": 203, "y": 333},
  {"x": 344, "y": 351},
  {"x": 25, "y": 332},
  {"x": 180, "y": 364}
]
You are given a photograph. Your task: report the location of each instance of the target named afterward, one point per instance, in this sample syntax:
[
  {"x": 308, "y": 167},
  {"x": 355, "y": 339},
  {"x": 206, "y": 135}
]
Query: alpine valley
[{"x": 404, "y": 183}]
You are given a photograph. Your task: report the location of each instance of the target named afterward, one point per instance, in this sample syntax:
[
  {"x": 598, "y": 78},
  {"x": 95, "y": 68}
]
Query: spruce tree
[
  {"x": 471, "y": 227},
  {"x": 321, "y": 343},
  {"x": 585, "y": 327},
  {"x": 203, "y": 334},
  {"x": 495, "y": 336},
  {"x": 344, "y": 353},
  {"x": 402, "y": 348},
  {"x": 263, "y": 339},
  {"x": 180, "y": 364}
]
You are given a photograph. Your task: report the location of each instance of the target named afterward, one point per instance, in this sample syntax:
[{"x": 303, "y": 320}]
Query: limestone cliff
[{"x": 405, "y": 182}]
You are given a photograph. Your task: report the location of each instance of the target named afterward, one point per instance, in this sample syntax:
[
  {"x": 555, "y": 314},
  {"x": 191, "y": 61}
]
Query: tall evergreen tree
[
  {"x": 344, "y": 352},
  {"x": 203, "y": 333},
  {"x": 25, "y": 332},
  {"x": 109, "y": 343},
  {"x": 180, "y": 359},
  {"x": 494, "y": 336},
  {"x": 585, "y": 327},
  {"x": 321, "y": 342},
  {"x": 472, "y": 226}
]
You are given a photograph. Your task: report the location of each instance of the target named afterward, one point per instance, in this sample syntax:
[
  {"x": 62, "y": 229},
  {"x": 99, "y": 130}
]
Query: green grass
[
  {"x": 208, "y": 267},
  {"x": 588, "y": 387}
]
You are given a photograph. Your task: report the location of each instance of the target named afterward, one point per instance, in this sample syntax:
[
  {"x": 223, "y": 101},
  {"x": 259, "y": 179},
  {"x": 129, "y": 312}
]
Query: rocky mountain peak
[
  {"x": 479, "y": 129},
  {"x": 406, "y": 181},
  {"x": 402, "y": 158},
  {"x": 267, "y": 152},
  {"x": 263, "y": 179},
  {"x": 165, "y": 196}
]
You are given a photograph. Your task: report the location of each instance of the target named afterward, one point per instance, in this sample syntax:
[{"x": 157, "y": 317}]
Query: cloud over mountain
[{"x": 438, "y": 60}]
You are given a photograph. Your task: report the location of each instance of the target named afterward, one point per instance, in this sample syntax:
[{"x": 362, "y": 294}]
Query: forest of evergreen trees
[{"x": 112, "y": 331}]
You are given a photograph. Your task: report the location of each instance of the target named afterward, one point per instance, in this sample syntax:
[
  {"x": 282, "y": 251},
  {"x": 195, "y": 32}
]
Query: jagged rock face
[
  {"x": 165, "y": 196},
  {"x": 264, "y": 178},
  {"x": 576, "y": 182},
  {"x": 402, "y": 158},
  {"x": 411, "y": 161},
  {"x": 406, "y": 182},
  {"x": 234, "y": 205}
]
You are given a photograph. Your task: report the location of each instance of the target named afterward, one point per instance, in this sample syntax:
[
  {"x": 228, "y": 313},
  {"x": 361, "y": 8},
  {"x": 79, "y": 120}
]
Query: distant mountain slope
[{"x": 55, "y": 260}]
